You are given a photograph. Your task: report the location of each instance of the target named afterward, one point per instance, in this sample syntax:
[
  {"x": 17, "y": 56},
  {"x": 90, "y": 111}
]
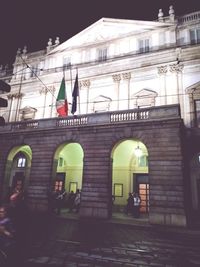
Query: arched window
[{"x": 21, "y": 160}]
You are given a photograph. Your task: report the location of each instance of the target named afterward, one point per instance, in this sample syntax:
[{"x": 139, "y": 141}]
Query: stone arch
[
  {"x": 128, "y": 170},
  {"x": 13, "y": 171},
  {"x": 68, "y": 165}
]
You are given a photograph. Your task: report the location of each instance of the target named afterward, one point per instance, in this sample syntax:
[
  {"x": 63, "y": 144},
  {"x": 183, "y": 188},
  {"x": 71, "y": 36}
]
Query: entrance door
[
  {"x": 141, "y": 185},
  {"x": 60, "y": 181}
]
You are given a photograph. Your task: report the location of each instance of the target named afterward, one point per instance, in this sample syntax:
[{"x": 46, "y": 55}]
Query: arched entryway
[
  {"x": 17, "y": 171},
  {"x": 130, "y": 174},
  {"x": 68, "y": 168}
]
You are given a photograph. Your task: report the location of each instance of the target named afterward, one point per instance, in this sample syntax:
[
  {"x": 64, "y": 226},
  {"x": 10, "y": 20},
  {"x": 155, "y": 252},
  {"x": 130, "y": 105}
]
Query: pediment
[
  {"x": 28, "y": 109},
  {"x": 102, "y": 98},
  {"x": 28, "y": 113},
  {"x": 107, "y": 29},
  {"x": 145, "y": 93},
  {"x": 193, "y": 88}
]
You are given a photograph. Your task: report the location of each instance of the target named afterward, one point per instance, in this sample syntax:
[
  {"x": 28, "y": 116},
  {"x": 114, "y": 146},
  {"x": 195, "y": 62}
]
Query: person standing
[
  {"x": 136, "y": 205},
  {"x": 70, "y": 201},
  {"x": 129, "y": 205},
  {"x": 60, "y": 197},
  {"x": 77, "y": 201}
]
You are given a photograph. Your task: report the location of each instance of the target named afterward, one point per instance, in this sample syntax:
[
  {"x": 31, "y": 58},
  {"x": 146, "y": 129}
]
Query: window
[
  {"x": 143, "y": 161},
  {"x": 144, "y": 45},
  {"x": 34, "y": 71},
  {"x": 58, "y": 185},
  {"x": 195, "y": 36},
  {"x": 197, "y": 112},
  {"x": 102, "y": 54},
  {"x": 21, "y": 162},
  {"x": 67, "y": 62},
  {"x": 60, "y": 162}
]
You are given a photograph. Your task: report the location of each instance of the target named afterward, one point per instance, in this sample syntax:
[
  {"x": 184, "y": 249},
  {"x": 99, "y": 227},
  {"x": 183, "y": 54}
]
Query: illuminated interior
[{"x": 130, "y": 173}]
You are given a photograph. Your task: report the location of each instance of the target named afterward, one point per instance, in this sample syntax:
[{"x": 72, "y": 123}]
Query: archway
[
  {"x": 130, "y": 174},
  {"x": 68, "y": 167},
  {"x": 18, "y": 167}
]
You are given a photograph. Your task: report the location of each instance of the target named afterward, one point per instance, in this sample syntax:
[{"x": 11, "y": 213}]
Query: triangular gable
[
  {"x": 101, "y": 98},
  {"x": 144, "y": 98},
  {"x": 145, "y": 93},
  {"x": 192, "y": 88},
  {"x": 107, "y": 29},
  {"x": 101, "y": 103}
]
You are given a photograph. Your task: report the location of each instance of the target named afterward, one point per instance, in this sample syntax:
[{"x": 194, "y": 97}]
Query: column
[
  {"x": 127, "y": 77},
  {"x": 162, "y": 70},
  {"x": 86, "y": 84},
  {"x": 116, "y": 80},
  {"x": 177, "y": 70}
]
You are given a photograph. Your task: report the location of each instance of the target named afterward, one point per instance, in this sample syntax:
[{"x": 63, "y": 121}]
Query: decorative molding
[
  {"x": 16, "y": 95},
  {"x": 162, "y": 69},
  {"x": 177, "y": 68},
  {"x": 126, "y": 75},
  {"x": 85, "y": 83},
  {"x": 47, "y": 89},
  {"x": 116, "y": 77}
]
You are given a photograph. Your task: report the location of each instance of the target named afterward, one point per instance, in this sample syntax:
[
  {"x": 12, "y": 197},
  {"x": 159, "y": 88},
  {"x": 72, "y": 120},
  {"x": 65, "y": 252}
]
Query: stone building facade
[{"x": 138, "y": 89}]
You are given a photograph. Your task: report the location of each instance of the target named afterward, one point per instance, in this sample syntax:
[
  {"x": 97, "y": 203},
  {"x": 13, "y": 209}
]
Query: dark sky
[{"x": 33, "y": 22}]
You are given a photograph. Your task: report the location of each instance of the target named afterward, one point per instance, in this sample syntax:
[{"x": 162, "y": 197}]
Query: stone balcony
[{"x": 108, "y": 118}]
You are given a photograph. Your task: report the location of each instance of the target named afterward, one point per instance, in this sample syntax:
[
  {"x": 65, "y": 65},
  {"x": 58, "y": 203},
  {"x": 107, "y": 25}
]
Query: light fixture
[{"x": 138, "y": 151}]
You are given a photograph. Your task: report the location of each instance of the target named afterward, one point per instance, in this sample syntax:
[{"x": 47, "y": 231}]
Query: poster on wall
[{"x": 118, "y": 190}]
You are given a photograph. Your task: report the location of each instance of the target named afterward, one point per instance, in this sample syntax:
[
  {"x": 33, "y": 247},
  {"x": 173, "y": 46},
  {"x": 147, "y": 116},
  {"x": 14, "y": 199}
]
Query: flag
[
  {"x": 61, "y": 101},
  {"x": 74, "y": 95}
]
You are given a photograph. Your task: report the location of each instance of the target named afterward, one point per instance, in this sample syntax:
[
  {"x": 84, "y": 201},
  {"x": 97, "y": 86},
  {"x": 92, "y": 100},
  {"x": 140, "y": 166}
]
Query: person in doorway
[
  {"x": 129, "y": 205},
  {"x": 70, "y": 201},
  {"x": 77, "y": 201},
  {"x": 136, "y": 205},
  {"x": 59, "y": 200}
]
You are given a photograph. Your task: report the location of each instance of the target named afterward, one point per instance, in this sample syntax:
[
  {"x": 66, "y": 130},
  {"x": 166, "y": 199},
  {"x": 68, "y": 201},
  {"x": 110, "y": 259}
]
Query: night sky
[{"x": 32, "y": 23}]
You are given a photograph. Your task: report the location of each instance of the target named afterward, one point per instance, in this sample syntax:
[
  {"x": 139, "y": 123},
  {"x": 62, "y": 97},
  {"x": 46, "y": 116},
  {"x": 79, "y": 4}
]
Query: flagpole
[
  {"x": 70, "y": 69},
  {"x": 79, "y": 104},
  {"x": 64, "y": 72}
]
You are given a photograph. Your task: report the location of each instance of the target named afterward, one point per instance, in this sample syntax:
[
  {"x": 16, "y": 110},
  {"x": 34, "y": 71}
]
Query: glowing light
[{"x": 138, "y": 151}]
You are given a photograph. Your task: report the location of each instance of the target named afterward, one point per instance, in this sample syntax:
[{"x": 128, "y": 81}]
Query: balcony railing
[
  {"x": 104, "y": 118},
  {"x": 189, "y": 17}
]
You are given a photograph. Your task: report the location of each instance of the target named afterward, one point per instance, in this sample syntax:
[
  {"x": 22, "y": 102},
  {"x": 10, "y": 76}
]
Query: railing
[
  {"x": 25, "y": 125},
  {"x": 189, "y": 17},
  {"x": 130, "y": 116},
  {"x": 72, "y": 121},
  {"x": 104, "y": 118}
]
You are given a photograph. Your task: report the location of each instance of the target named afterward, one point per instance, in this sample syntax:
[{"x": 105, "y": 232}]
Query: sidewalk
[{"x": 67, "y": 241}]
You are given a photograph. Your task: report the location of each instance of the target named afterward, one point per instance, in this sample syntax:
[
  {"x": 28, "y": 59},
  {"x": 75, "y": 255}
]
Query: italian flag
[{"x": 61, "y": 101}]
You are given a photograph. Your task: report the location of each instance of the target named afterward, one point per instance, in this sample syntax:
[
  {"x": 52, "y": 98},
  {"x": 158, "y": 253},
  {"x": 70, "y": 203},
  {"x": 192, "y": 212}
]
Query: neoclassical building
[{"x": 136, "y": 127}]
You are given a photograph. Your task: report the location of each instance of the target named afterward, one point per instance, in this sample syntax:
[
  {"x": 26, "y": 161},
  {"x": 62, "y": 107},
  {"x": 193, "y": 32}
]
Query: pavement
[{"x": 67, "y": 241}]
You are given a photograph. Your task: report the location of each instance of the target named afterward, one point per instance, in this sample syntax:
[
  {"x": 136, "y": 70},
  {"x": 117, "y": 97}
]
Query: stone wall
[{"x": 161, "y": 137}]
